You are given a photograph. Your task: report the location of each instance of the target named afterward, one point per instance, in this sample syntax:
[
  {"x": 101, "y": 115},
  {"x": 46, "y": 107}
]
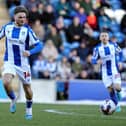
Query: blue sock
[
  {"x": 118, "y": 94},
  {"x": 11, "y": 95},
  {"x": 113, "y": 97},
  {"x": 28, "y": 103}
]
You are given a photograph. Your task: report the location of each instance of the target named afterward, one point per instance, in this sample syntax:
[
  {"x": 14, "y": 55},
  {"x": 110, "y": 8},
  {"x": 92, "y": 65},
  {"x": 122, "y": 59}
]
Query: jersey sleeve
[
  {"x": 119, "y": 52},
  {"x": 95, "y": 56},
  {"x": 32, "y": 38},
  {"x": 117, "y": 48},
  {"x": 37, "y": 48},
  {"x": 2, "y": 32}
]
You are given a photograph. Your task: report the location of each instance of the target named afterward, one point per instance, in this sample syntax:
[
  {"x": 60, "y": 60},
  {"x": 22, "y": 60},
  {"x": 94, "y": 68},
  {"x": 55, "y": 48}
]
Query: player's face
[
  {"x": 20, "y": 18},
  {"x": 104, "y": 37}
]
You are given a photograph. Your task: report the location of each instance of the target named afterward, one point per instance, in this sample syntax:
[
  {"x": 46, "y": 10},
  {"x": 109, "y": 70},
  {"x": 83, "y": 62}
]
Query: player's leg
[
  {"x": 117, "y": 87},
  {"x": 118, "y": 91},
  {"x": 7, "y": 79},
  {"x": 118, "y": 94},
  {"x": 107, "y": 80},
  {"x": 28, "y": 95},
  {"x": 112, "y": 94},
  {"x": 25, "y": 78},
  {"x": 8, "y": 74},
  {"x": 114, "y": 98}
]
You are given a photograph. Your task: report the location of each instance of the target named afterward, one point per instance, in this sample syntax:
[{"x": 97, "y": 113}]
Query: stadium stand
[{"x": 61, "y": 22}]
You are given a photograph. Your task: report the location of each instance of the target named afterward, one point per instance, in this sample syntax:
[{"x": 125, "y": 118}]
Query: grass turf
[{"x": 60, "y": 115}]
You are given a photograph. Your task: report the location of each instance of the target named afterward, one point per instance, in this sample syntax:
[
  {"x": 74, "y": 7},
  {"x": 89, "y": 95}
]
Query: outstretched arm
[{"x": 38, "y": 47}]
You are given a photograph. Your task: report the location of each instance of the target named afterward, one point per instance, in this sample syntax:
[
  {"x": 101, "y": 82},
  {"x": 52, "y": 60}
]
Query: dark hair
[
  {"x": 104, "y": 30},
  {"x": 19, "y": 9}
]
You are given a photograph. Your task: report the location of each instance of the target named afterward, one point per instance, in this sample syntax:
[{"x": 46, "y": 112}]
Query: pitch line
[{"x": 80, "y": 114}]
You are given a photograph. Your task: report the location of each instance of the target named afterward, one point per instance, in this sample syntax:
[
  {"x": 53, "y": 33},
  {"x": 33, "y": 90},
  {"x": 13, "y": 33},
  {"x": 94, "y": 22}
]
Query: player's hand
[
  {"x": 99, "y": 62},
  {"x": 26, "y": 53},
  {"x": 120, "y": 66}
]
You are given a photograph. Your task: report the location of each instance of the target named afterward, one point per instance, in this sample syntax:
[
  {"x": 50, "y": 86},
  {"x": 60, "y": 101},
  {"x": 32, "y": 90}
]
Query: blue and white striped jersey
[
  {"x": 110, "y": 54},
  {"x": 18, "y": 39}
]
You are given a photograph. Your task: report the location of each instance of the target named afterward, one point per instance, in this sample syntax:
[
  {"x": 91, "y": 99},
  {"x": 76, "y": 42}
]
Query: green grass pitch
[{"x": 60, "y": 115}]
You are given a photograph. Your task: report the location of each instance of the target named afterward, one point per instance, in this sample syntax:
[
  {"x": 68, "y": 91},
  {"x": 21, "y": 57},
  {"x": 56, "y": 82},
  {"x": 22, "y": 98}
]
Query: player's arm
[
  {"x": 37, "y": 48},
  {"x": 2, "y": 32},
  {"x": 119, "y": 52},
  {"x": 33, "y": 40},
  {"x": 94, "y": 59},
  {"x": 120, "y": 55}
]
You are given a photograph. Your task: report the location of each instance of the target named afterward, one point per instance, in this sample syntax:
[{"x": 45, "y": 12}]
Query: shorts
[
  {"x": 24, "y": 72},
  {"x": 112, "y": 79}
]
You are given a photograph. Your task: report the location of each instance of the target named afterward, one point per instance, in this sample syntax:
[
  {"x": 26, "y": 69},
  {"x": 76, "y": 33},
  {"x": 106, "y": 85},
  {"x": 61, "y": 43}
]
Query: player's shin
[
  {"x": 11, "y": 95},
  {"x": 113, "y": 96},
  {"x": 13, "y": 101},
  {"x": 118, "y": 92}
]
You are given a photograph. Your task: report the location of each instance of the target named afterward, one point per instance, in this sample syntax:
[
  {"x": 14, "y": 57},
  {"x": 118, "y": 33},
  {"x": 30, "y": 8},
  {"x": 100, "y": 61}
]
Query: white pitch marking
[
  {"x": 58, "y": 112},
  {"x": 79, "y": 114}
]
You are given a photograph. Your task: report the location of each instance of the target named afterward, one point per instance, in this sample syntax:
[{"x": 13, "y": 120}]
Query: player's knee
[
  {"x": 110, "y": 88},
  {"x": 7, "y": 79},
  {"x": 117, "y": 87}
]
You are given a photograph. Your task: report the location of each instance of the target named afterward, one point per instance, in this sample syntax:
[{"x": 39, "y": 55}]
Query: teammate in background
[
  {"x": 109, "y": 56},
  {"x": 19, "y": 36}
]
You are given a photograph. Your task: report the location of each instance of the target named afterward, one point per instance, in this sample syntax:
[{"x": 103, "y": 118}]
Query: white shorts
[
  {"x": 24, "y": 73},
  {"x": 113, "y": 79}
]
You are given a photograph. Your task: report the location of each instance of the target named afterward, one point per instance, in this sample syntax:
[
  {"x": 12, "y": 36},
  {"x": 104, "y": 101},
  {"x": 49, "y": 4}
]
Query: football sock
[
  {"x": 119, "y": 97},
  {"x": 29, "y": 107},
  {"x": 11, "y": 95},
  {"x": 28, "y": 103},
  {"x": 113, "y": 97}
]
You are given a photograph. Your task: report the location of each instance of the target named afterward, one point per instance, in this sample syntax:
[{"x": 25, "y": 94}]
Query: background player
[
  {"x": 19, "y": 37},
  {"x": 109, "y": 56}
]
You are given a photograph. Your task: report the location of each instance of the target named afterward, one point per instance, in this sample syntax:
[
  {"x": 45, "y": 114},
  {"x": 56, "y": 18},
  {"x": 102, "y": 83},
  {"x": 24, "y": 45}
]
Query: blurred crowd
[{"x": 69, "y": 30}]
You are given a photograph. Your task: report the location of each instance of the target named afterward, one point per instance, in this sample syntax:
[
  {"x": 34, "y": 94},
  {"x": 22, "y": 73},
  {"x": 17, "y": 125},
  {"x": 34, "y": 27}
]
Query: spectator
[
  {"x": 92, "y": 20},
  {"x": 63, "y": 8},
  {"x": 87, "y": 5},
  {"x": 31, "y": 3},
  {"x": 72, "y": 55},
  {"x": 52, "y": 67},
  {"x": 64, "y": 69},
  {"x": 77, "y": 67},
  {"x": 82, "y": 15},
  {"x": 50, "y": 50},
  {"x": 75, "y": 31},
  {"x": 104, "y": 21},
  {"x": 54, "y": 35},
  {"x": 33, "y": 14},
  {"x": 75, "y": 8},
  {"x": 48, "y": 15},
  {"x": 83, "y": 50},
  {"x": 64, "y": 49},
  {"x": 39, "y": 30},
  {"x": 89, "y": 69},
  {"x": 38, "y": 66}
]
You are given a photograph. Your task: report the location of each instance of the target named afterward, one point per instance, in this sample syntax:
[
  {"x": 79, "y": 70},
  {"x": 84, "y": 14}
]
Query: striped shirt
[
  {"x": 18, "y": 39},
  {"x": 110, "y": 54}
]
